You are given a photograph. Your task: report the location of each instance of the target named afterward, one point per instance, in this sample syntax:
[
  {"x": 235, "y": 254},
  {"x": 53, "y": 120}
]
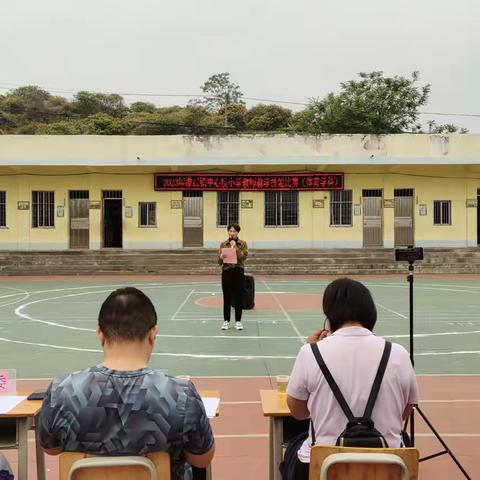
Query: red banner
[{"x": 248, "y": 182}]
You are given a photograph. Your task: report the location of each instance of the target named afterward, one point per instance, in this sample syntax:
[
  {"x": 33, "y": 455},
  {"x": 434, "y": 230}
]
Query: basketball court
[{"x": 47, "y": 327}]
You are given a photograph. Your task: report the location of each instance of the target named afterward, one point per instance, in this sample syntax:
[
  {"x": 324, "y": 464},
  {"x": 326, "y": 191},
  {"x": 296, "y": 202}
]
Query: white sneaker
[
  {"x": 238, "y": 325},
  {"x": 226, "y": 325}
]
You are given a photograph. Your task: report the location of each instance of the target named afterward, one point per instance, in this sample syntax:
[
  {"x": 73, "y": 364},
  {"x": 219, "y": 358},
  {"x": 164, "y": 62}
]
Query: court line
[
  {"x": 451, "y": 435},
  {"x": 18, "y": 310},
  {"x": 158, "y": 354},
  {"x": 182, "y": 304},
  {"x": 208, "y": 356},
  {"x": 287, "y": 316},
  {"x": 392, "y": 311},
  {"x": 21, "y": 291},
  {"x": 460, "y": 400},
  {"x": 462, "y": 352}
]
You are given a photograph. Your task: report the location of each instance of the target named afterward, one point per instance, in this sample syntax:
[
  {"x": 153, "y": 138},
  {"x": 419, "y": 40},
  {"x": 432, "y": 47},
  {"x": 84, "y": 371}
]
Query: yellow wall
[
  {"x": 313, "y": 230},
  {"x": 437, "y": 167}
]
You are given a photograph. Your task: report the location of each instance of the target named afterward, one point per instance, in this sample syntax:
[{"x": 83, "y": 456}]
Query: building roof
[{"x": 237, "y": 150}]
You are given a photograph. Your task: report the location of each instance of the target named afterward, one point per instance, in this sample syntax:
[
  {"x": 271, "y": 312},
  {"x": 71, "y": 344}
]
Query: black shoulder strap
[
  {"x": 334, "y": 387},
  {"x": 378, "y": 380}
]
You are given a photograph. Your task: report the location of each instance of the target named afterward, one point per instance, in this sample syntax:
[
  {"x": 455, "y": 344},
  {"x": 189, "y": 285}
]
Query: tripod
[{"x": 410, "y": 279}]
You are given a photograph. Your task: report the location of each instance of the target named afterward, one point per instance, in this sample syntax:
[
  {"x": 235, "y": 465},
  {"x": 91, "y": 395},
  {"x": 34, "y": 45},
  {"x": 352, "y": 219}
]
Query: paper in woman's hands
[{"x": 229, "y": 255}]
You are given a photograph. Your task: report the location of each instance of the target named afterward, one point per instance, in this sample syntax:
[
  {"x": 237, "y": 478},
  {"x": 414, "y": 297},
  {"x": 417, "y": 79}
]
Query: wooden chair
[
  {"x": 343, "y": 463},
  {"x": 81, "y": 466}
]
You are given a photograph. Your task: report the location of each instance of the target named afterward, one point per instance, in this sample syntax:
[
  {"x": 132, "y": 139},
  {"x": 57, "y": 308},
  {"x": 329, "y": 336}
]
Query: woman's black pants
[{"x": 233, "y": 285}]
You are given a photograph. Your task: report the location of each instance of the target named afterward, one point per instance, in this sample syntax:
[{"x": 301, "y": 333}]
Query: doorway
[
  {"x": 193, "y": 219},
  {"x": 404, "y": 231},
  {"x": 478, "y": 216},
  {"x": 112, "y": 219},
  {"x": 79, "y": 219},
  {"x": 372, "y": 218}
]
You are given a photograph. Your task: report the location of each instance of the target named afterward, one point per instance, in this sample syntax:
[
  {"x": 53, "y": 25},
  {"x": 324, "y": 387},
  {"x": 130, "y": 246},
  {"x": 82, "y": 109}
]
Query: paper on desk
[
  {"x": 211, "y": 406},
  {"x": 229, "y": 255},
  {"x": 8, "y": 402}
]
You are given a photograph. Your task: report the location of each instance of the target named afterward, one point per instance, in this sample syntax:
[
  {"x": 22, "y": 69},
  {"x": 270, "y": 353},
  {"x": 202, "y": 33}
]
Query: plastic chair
[
  {"x": 328, "y": 463},
  {"x": 80, "y": 466}
]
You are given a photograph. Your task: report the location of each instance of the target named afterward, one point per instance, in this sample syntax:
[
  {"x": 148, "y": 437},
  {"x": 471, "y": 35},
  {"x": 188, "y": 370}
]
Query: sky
[{"x": 289, "y": 50}]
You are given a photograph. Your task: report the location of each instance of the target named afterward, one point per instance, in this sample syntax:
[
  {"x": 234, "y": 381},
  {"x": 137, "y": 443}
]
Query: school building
[{"x": 172, "y": 192}]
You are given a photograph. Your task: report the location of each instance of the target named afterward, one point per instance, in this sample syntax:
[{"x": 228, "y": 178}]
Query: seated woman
[{"x": 352, "y": 354}]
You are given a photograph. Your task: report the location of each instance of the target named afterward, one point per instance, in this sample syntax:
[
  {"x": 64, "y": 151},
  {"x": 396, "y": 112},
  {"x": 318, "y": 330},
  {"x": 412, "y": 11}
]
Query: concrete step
[{"x": 204, "y": 261}]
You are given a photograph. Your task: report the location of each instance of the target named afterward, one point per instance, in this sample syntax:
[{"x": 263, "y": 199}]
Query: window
[
  {"x": 281, "y": 209},
  {"x": 3, "y": 209},
  {"x": 341, "y": 208},
  {"x": 43, "y": 209},
  {"x": 147, "y": 214},
  {"x": 227, "y": 208},
  {"x": 442, "y": 212}
]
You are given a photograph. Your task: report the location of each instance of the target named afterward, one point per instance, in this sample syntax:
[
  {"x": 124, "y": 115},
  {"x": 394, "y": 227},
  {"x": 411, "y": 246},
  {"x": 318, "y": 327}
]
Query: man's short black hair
[
  {"x": 346, "y": 300},
  {"x": 236, "y": 226},
  {"x": 127, "y": 315}
]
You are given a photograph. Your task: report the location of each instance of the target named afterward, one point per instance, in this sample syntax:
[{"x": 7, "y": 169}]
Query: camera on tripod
[{"x": 409, "y": 254}]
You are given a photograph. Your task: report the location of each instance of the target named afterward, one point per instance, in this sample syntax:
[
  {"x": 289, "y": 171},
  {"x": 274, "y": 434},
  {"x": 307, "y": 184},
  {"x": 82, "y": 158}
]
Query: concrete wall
[{"x": 270, "y": 149}]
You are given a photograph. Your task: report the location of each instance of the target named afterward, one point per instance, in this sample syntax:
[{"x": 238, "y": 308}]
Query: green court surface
[{"x": 47, "y": 327}]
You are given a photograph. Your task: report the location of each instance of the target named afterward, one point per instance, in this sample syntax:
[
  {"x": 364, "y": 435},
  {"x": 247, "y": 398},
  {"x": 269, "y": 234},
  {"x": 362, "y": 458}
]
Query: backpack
[{"x": 360, "y": 431}]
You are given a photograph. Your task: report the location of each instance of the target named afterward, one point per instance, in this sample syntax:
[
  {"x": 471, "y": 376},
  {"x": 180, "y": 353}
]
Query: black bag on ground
[
  {"x": 360, "y": 431},
  {"x": 248, "y": 297},
  {"x": 249, "y": 293}
]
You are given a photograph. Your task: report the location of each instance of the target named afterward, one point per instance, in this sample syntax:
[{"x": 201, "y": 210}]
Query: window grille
[
  {"x": 442, "y": 212},
  {"x": 3, "y": 209},
  {"x": 43, "y": 209},
  {"x": 227, "y": 208},
  {"x": 341, "y": 208},
  {"x": 147, "y": 214},
  {"x": 281, "y": 209}
]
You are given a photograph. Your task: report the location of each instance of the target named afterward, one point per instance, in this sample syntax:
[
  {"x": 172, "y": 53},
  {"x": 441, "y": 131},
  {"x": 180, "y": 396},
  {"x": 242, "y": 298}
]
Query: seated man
[
  {"x": 123, "y": 407},
  {"x": 352, "y": 354},
  {"x": 5, "y": 470}
]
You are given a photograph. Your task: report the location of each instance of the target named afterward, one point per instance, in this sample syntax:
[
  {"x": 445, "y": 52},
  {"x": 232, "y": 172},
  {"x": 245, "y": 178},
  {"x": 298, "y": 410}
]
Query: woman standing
[{"x": 233, "y": 277}]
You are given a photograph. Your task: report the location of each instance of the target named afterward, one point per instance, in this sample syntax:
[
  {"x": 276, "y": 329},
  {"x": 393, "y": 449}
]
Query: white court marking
[
  {"x": 95, "y": 289},
  {"x": 191, "y": 355},
  {"x": 287, "y": 316},
  {"x": 177, "y": 311}
]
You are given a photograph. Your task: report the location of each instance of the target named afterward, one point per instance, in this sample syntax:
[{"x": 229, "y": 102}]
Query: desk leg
[
  {"x": 271, "y": 442},
  {"x": 277, "y": 446},
  {"x": 40, "y": 460},
  {"x": 22, "y": 428}
]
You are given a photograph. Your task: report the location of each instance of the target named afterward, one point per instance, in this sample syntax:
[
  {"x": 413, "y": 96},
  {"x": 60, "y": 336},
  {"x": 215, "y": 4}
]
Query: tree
[
  {"x": 373, "y": 104},
  {"x": 31, "y": 102},
  {"x": 445, "y": 128},
  {"x": 138, "y": 107},
  {"x": 219, "y": 92},
  {"x": 235, "y": 116},
  {"x": 103, "y": 124},
  {"x": 87, "y": 103},
  {"x": 268, "y": 118},
  {"x": 59, "y": 128}
]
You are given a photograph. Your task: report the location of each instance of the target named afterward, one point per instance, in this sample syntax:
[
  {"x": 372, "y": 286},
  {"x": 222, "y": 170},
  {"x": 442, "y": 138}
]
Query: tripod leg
[
  {"x": 444, "y": 445},
  {"x": 412, "y": 428}
]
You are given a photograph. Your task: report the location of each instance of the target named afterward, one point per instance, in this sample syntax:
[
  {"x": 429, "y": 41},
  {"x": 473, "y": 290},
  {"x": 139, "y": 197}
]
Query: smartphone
[{"x": 37, "y": 395}]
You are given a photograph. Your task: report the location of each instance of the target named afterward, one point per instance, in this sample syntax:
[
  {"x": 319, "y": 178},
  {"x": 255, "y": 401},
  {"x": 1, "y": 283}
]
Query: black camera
[{"x": 409, "y": 254}]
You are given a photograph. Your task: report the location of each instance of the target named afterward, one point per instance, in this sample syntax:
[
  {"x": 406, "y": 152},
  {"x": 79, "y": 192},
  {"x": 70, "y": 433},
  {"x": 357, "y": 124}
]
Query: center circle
[{"x": 291, "y": 302}]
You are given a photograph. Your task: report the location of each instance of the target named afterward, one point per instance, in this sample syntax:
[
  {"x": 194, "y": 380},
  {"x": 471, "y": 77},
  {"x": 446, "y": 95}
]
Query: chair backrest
[
  {"x": 360, "y": 463},
  {"x": 81, "y": 466}
]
